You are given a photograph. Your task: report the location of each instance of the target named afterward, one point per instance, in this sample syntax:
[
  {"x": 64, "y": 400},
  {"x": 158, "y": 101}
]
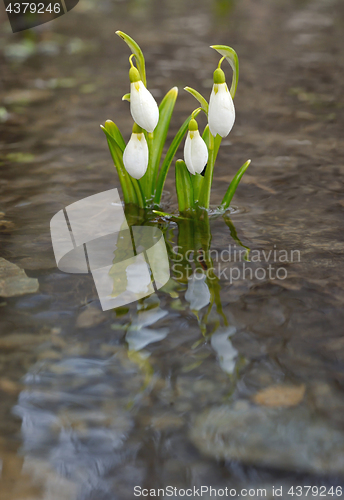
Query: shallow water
[{"x": 159, "y": 393}]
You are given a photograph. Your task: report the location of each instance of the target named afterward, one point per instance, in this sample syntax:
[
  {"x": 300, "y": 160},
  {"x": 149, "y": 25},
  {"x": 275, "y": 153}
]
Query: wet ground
[{"x": 246, "y": 393}]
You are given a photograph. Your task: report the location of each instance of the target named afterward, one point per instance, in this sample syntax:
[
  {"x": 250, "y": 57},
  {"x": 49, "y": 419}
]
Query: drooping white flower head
[
  {"x": 143, "y": 106},
  {"x": 195, "y": 150},
  {"x": 221, "y": 114},
  {"x": 135, "y": 156}
]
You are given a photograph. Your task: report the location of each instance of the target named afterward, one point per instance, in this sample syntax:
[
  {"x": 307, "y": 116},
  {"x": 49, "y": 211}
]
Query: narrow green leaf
[
  {"x": 205, "y": 135},
  {"x": 184, "y": 187},
  {"x": 160, "y": 133},
  {"x": 169, "y": 157},
  {"x": 130, "y": 186},
  {"x": 170, "y": 216},
  {"x": 217, "y": 144},
  {"x": 213, "y": 144},
  {"x": 232, "y": 58},
  {"x": 197, "y": 182},
  {"x": 233, "y": 185},
  {"x": 114, "y": 131},
  {"x": 126, "y": 97},
  {"x": 134, "y": 47},
  {"x": 203, "y": 102},
  {"x": 217, "y": 140}
]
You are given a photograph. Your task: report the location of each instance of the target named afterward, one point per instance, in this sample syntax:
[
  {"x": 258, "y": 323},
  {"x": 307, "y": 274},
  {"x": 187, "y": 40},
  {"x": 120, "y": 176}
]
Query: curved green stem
[
  {"x": 136, "y": 50},
  {"x": 204, "y": 198},
  {"x": 233, "y": 60}
]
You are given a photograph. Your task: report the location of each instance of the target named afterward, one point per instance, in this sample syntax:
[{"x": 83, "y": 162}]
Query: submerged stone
[
  {"x": 290, "y": 439},
  {"x": 14, "y": 281}
]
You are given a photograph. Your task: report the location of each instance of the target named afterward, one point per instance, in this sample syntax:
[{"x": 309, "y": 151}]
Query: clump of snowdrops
[{"x": 141, "y": 170}]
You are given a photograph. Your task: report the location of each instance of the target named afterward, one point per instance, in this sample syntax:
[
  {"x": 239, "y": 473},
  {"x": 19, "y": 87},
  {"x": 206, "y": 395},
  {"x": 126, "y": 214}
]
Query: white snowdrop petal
[
  {"x": 221, "y": 115},
  {"x": 195, "y": 152},
  {"x": 188, "y": 154},
  {"x": 199, "y": 153},
  {"x": 143, "y": 107},
  {"x": 135, "y": 156}
]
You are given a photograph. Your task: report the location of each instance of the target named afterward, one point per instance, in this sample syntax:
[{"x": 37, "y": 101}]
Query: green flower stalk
[{"x": 142, "y": 170}]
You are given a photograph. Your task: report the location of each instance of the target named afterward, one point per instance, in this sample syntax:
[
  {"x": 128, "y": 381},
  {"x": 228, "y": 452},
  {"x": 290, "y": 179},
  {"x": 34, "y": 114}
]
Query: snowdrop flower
[
  {"x": 195, "y": 150},
  {"x": 143, "y": 106},
  {"x": 135, "y": 156},
  {"x": 221, "y": 114}
]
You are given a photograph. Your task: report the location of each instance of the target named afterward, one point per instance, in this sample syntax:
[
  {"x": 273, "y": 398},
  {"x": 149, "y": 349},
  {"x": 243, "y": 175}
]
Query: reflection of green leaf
[
  {"x": 236, "y": 238},
  {"x": 233, "y": 185},
  {"x": 144, "y": 365},
  {"x": 134, "y": 47},
  {"x": 20, "y": 157},
  {"x": 232, "y": 57},
  {"x": 204, "y": 104}
]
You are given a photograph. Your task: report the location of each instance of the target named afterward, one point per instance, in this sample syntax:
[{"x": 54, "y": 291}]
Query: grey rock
[
  {"x": 290, "y": 439},
  {"x": 14, "y": 281}
]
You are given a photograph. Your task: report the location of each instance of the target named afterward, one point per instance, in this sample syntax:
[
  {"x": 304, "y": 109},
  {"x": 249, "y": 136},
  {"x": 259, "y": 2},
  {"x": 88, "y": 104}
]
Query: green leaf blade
[
  {"x": 233, "y": 186},
  {"x": 203, "y": 102},
  {"x": 197, "y": 183},
  {"x": 169, "y": 157},
  {"x": 136, "y": 50},
  {"x": 159, "y": 138},
  {"x": 184, "y": 187},
  {"x": 112, "y": 129}
]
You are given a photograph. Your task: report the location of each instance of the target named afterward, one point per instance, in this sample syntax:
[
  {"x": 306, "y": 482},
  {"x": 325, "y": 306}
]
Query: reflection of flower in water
[
  {"x": 139, "y": 336},
  {"x": 75, "y": 424},
  {"x": 138, "y": 277},
  {"x": 223, "y": 347},
  {"x": 197, "y": 294}
]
